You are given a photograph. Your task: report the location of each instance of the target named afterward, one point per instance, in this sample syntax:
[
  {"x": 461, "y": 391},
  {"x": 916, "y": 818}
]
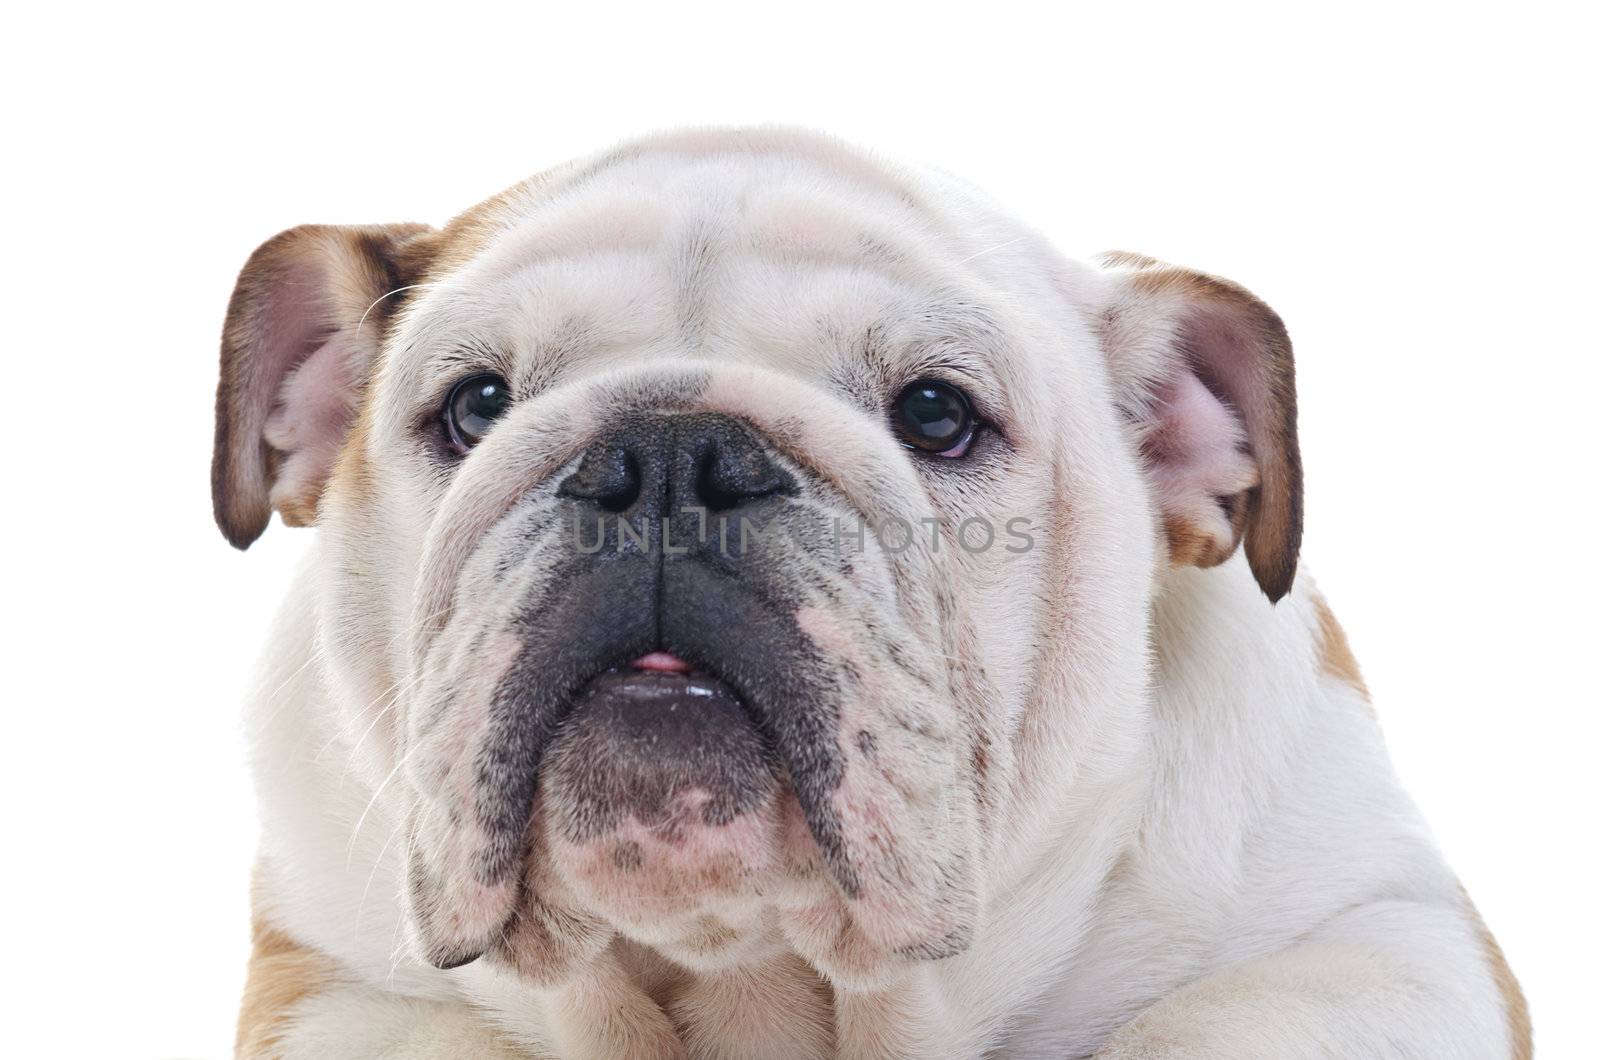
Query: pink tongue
[{"x": 663, "y": 662}]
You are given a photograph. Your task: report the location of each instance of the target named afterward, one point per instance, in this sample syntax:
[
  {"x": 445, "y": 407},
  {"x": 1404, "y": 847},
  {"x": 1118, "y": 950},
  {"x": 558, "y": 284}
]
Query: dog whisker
[
  {"x": 390, "y": 702},
  {"x": 355, "y": 833},
  {"x": 389, "y": 294},
  {"x": 991, "y": 250},
  {"x": 377, "y": 863}
]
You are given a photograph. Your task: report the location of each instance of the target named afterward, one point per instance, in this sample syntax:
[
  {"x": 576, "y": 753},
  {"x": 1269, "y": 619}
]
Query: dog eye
[
  {"x": 472, "y": 407},
  {"x": 934, "y": 417}
]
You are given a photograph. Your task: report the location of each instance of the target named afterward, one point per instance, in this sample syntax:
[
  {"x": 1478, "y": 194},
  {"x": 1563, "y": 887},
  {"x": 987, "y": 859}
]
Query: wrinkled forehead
[{"x": 812, "y": 259}]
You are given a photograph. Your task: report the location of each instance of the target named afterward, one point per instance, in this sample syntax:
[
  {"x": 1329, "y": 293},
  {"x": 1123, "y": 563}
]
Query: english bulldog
[{"x": 767, "y": 603}]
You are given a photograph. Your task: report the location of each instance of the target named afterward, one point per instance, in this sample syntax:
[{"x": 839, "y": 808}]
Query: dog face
[{"x": 736, "y": 539}]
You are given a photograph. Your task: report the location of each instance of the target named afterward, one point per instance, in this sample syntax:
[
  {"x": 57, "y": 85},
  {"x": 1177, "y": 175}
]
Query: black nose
[{"x": 661, "y": 463}]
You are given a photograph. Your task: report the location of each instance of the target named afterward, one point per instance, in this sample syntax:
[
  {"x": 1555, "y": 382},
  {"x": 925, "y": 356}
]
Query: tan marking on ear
[
  {"x": 1334, "y": 656},
  {"x": 282, "y": 973},
  {"x": 1518, "y": 1021},
  {"x": 298, "y": 511},
  {"x": 1190, "y": 546}
]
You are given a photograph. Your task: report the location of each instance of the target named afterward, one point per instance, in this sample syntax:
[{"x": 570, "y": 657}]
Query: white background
[{"x": 1412, "y": 189}]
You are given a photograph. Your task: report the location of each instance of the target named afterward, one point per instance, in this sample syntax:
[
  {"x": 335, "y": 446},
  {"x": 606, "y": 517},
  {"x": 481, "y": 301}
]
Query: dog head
[{"x": 747, "y": 538}]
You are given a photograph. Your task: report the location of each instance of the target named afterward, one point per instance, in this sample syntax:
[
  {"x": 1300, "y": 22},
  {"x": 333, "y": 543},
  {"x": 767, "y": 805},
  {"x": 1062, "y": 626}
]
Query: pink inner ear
[
  {"x": 314, "y": 411},
  {"x": 1197, "y": 453}
]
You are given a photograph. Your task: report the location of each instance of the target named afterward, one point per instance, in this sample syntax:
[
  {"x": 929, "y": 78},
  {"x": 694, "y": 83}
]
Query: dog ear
[
  {"x": 304, "y": 327},
  {"x": 1205, "y": 373}
]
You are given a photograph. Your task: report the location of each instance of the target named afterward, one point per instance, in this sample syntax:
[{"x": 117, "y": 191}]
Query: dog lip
[
  {"x": 643, "y": 684},
  {"x": 448, "y": 961}
]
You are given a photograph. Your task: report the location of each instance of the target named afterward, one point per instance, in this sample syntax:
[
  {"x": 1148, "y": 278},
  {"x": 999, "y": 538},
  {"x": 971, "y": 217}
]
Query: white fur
[{"x": 1199, "y": 849}]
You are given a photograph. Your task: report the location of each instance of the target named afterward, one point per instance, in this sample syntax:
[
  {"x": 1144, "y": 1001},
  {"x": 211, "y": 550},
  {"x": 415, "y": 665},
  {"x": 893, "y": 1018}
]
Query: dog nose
[{"x": 661, "y": 463}]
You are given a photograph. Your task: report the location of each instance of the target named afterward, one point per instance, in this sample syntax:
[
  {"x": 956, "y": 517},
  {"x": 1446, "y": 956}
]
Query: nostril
[
  {"x": 626, "y": 489},
  {"x": 731, "y": 474},
  {"x": 609, "y": 477},
  {"x": 710, "y": 489}
]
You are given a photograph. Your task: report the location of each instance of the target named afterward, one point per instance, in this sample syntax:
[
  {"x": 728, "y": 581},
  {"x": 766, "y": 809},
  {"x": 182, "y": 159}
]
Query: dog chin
[{"x": 661, "y": 799}]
